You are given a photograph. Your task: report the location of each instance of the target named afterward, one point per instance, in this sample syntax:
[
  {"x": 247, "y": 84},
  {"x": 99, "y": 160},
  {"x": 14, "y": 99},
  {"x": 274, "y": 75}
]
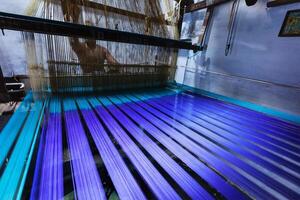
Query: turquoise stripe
[
  {"x": 69, "y": 104},
  {"x": 115, "y": 100},
  {"x": 13, "y": 127},
  {"x": 269, "y": 111},
  {"x": 21, "y": 187},
  {"x": 121, "y": 99},
  {"x": 94, "y": 101},
  {"x": 11, "y": 177},
  {"x": 105, "y": 101},
  {"x": 83, "y": 104},
  {"x": 55, "y": 105}
]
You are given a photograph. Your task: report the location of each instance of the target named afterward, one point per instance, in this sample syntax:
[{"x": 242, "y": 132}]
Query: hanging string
[
  {"x": 64, "y": 69},
  {"x": 231, "y": 26}
]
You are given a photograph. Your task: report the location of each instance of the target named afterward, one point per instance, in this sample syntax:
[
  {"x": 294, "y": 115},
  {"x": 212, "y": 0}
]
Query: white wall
[
  {"x": 12, "y": 52},
  {"x": 262, "y": 67}
]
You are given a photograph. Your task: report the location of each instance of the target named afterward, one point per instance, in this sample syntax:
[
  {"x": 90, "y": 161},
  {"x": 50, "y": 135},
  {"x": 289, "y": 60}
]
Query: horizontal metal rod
[
  {"x": 52, "y": 27},
  {"x": 54, "y": 62},
  {"x": 192, "y": 70}
]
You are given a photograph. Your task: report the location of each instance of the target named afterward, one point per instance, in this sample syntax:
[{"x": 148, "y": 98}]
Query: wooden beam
[
  {"x": 275, "y": 3},
  {"x": 204, "y": 4},
  {"x": 204, "y": 28},
  {"x": 52, "y": 27},
  {"x": 119, "y": 11},
  {"x": 72, "y": 63}
]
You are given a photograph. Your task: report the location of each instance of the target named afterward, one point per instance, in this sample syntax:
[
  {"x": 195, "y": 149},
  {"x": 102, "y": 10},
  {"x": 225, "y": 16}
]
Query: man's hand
[{"x": 70, "y": 10}]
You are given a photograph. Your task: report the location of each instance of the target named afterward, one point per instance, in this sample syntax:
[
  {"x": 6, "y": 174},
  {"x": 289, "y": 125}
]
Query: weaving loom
[
  {"x": 102, "y": 120},
  {"x": 71, "y": 64}
]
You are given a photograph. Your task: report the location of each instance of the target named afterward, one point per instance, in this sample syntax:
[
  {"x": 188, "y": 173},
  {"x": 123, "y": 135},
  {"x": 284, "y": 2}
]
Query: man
[{"x": 90, "y": 55}]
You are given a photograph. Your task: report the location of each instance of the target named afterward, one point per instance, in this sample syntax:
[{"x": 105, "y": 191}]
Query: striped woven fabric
[{"x": 159, "y": 144}]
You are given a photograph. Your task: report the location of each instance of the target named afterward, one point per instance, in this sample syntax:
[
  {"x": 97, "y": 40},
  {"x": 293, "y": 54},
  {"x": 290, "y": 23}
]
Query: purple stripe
[
  {"x": 38, "y": 166},
  {"x": 150, "y": 174},
  {"x": 202, "y": 170},
  {"x": 202, "y": 154},
  {"x": 186, "y": 126},
  {"x": 217, "y": 135},
  {"x": 52, "y": 168},
  {"x": 122, "y": 179},
  {"x": 183, "y": 179},
  {"x": 50, "y": 183},
  {"x": 247, "y": 133},
  {"x": 239, "y": 167},
  {"x": 264, "y": 128},
  {"x": 86, "y": 179},
  {"x": 254, "y": 114},
  {"x": 247, "y": 128},
  {"x": 254, "y": 117},
  {"x": 234, "y": 131}
]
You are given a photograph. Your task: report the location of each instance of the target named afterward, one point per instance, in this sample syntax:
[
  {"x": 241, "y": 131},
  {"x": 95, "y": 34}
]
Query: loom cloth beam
[{"x": 52, "y": 27}]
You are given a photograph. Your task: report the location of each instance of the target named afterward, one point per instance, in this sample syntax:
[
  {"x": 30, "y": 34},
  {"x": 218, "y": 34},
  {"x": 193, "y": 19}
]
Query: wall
[
  {"x": 12, "y": 52},
  {"x": 262, "y": 68}
]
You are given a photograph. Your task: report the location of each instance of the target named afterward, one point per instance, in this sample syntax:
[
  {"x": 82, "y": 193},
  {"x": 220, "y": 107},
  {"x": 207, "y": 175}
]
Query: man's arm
[
  {"x": 71, "y": 13},
  {"x": 70, "y": 10},
  {"x": 110, "y": 59}
]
